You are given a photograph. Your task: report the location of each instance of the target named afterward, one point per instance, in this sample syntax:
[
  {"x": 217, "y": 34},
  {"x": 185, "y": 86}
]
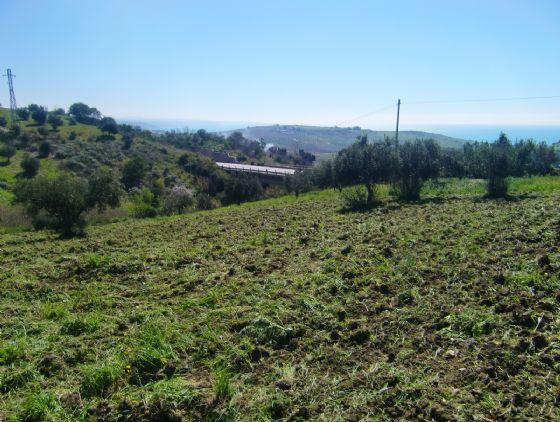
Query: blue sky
[{"x": 310, "y": 62}]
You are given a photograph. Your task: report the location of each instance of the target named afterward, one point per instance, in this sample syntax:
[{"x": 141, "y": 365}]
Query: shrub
[
  {"x": 3, "y": 121},
  {"x": 23, "y": 113},
  {"x": 39, "y": 114},
  {"x": 55, "y": 121},
  {"x": 43, "y": 131},
  {"x": 142, "y": 204},
  {"x": 30, "y": 166},
  {"x": 355, "y": 198},
  {"x": 133, "y": 173},
  {"x": 44, "y": 149},
  {"x": 178, "y": 200},
  {"x": 7, "y": 151},
  {"x": 205, "y": 202}
]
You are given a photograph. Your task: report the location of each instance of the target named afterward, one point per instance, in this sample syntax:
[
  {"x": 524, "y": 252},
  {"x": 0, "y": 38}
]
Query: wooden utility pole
[{"x": 398, "y": 112}]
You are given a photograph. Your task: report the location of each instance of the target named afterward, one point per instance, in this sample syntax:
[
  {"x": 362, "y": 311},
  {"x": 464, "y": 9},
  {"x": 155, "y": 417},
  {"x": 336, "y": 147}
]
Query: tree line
[{"x": 407, "y": 165}]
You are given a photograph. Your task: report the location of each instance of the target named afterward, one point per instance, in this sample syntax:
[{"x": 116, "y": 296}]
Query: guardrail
[{"x": 265, "y": 170}]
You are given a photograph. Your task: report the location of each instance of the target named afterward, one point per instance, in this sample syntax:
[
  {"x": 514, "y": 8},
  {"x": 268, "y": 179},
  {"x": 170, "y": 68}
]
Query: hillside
[
  {"x": 166, "y": 160},
  {"x": 316, "y": 139},
  {"x": 291, "y": 309}
]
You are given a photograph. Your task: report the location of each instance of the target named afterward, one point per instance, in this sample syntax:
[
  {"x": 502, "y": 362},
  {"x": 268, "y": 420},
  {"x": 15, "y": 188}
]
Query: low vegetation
[{"x": 291, "y": 308}]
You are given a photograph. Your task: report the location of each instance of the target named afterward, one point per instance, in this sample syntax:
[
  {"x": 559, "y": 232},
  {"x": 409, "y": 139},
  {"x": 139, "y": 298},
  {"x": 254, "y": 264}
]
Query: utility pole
[
  {"x": 398, "y": 112},
  {"x": 13, "y": 105}
]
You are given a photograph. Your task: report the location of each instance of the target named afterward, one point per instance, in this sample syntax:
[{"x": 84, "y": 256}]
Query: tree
[
  {"x": 61, "y": 203},
  {"x": 417, "y": 161},
  {"x": 127, "y": 141},
  {"x": 55, "y": 121},
  {"x": 108, "y": 125},
  {"x": 23, "y": 113},
  {"x": 498, "y": 167},
  {"x": 84, "y": 113},
  {"x": 104, "y": 189},
  {"x": 133, "y": 173},
  {"x": 39, "y": 114},
  {"x": 242, "y": 187},
  {"x": 44, "y": 149},
  {"x": 30, "y": 166},
  {"x": 7, "y": 151},
  {"x": 365, "y": 163}
]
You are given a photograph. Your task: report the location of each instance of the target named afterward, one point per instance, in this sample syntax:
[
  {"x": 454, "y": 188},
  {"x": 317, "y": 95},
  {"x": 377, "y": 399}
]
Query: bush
[
  {"x": 43, "y": 131},
  {"x": 39, "y": 114},
  {"x": 142, "y": 204},
  {"x": 178, "y": 200},
  {"x": 7, "y": 151},
  {"x": 44, "y": 149},
  {"x": 55, "y": 121},
  {"x": 205, "y": 202},
  {"x": 23, "y": 113},
  {"x": 3, "y": 121},
  {"x": 497, "y": 187},
  {"x": 30, "y": 166},
  {"x": 134, "y": 172},
  {"x": 355, "y": 198}
]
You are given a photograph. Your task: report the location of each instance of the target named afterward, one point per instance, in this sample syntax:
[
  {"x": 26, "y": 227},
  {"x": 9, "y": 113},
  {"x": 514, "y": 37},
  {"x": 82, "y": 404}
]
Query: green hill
[
  {"x": 289, "y": 309},
  {"x": 316, "y": 139}
]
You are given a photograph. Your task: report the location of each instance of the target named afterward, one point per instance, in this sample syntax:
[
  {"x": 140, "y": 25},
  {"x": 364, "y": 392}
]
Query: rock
[
  {"x": 540, "y": 341},
  {"x": 384, "y": 289},
  {"x": 335, "y": 335},
  {"x": 499, "y": 278},
  {"x": 360, "y": 336},
  {"x": 258, "y": 353},
  {"x": 543, "y": 260},
  {"x": 283, "y": 385},
  {"x": 346, "y": 250}
]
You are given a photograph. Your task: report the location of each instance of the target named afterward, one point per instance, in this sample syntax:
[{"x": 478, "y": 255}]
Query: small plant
[
  {"x": 80, "y": 325},
  {"x": 17, "y": 377},
  {"x": 53, "y": 310},
  {"x": 98, "y": 380},
  {"x": 222, "y": 386},
  {"x": 12, "y": 352},
  {"x": 40, "y": 406}
]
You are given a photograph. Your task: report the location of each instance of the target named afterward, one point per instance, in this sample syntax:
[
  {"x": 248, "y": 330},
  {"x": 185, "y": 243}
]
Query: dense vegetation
[
  {"x": 167, "y": 173},
  {"x": 290, "y": 309},
  {"x": 406, "y": 166}
]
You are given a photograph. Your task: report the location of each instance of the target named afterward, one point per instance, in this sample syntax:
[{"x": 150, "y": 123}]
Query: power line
[
  {"x": 482, "y": 100},
  {"x": 367, "y": 114}
]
